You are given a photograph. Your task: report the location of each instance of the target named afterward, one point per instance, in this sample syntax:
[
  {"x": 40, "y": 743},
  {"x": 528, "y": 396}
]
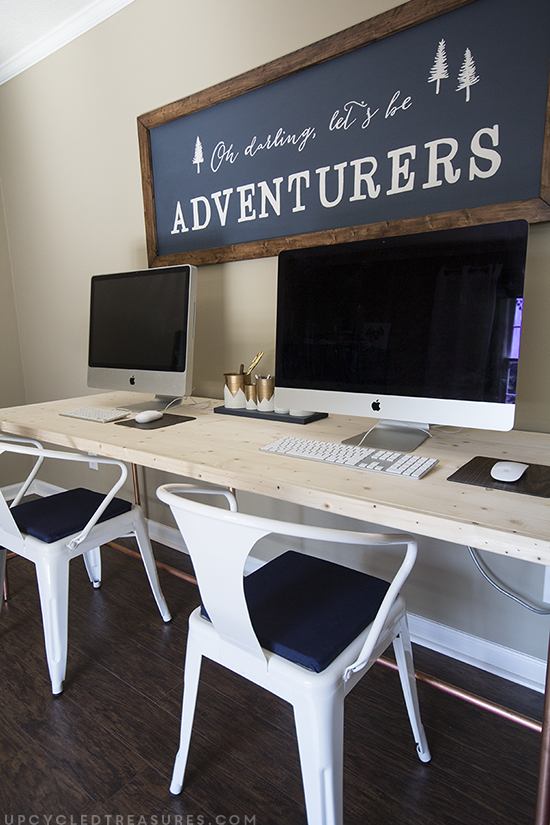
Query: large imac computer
[
  {"x": 142, "y": 331},
  {"x": 413, "y": 330}
]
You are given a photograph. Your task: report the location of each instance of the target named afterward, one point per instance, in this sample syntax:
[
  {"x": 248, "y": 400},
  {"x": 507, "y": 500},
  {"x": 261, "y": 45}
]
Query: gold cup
[
  {"x": 234, "y": 381},
  {"x": 250, "y": 393},
  {"x": 265, "y": 390},
  {"x": 233, "y": 391}
]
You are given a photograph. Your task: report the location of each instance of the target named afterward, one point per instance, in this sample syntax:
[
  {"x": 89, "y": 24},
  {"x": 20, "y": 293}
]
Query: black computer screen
[{"x": 138, "y": 320}]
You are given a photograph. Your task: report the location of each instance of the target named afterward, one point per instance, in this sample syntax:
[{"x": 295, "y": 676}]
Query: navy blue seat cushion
[
  {"x": 308, "y": 610},
  {"x": 54, "y": 517}
]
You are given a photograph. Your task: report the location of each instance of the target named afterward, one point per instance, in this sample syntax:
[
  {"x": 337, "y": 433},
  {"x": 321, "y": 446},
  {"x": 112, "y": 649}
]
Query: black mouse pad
[
  {"x": 166, "y": 421},
  {"x": 534, "y": 482}
]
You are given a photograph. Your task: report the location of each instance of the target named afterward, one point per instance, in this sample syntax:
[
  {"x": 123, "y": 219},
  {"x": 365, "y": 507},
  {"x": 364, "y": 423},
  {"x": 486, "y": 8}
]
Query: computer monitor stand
[
  {"x": 159, "y": 402},
  {"x": 400, "y": 436}
]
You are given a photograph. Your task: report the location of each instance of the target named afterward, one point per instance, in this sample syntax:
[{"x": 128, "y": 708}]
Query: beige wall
[
  {"x": 11, "y": 383},
  {"x": 70, "y": 178}
]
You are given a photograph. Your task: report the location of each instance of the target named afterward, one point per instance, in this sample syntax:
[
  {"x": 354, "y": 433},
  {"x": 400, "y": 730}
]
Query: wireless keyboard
[
  {"x": 98, "y": 414},
  {"x": 363, "y": 458}
]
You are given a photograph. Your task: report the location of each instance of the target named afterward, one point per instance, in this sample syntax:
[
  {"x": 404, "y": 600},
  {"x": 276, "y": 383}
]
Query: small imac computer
[
  {"x": 142, "y": 331},
  {"x": 413, "y": 330}
]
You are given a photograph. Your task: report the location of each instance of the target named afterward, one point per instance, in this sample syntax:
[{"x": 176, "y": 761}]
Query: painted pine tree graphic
[
  {"x": 467, "y": 75},
  {"x": 198, "y": 157},
  {"x": 439, "y": 69}
]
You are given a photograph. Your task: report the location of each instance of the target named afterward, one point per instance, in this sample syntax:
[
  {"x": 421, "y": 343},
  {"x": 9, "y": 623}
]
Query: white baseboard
[
  {"x": 169, "y": 536},
  {"x": 493, "y": 658},
  {"x": 488, "y": 656},
  {"x": 37, "y": 488}
]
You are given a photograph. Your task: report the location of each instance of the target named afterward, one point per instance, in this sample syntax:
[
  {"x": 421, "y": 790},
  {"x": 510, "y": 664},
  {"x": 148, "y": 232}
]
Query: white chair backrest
[
  {"x": 19, "y": 439},
  {"x": 219, "y": 542},
  {"x": 7, "y": 523},
  {"x": 27, "y": 447}
]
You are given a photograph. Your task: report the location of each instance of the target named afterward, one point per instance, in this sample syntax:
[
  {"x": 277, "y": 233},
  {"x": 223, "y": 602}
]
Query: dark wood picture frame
[{"x": 396, "y": 20}]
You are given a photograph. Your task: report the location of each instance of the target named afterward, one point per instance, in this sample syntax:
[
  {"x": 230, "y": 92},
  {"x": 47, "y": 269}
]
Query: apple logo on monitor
[
  {"x": 376, "y": 406},
  {"x": 132, "y": 380}
]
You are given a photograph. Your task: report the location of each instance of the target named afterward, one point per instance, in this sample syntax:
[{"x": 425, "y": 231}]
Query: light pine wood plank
[{"x": 225, "y": 450}]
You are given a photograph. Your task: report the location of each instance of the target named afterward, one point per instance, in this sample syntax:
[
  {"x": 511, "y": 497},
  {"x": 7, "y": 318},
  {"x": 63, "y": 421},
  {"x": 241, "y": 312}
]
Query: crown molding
[{"x": 95, "y": 13}]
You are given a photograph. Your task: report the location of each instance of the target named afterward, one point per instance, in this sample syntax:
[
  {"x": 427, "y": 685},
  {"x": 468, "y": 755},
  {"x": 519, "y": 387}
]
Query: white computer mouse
[
  {"x": 508, "y": 470},
  {"x": 147, "y": 416}
]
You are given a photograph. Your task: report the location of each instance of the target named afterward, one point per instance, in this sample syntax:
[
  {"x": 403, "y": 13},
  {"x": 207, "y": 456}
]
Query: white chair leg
[
  {"x": 53, "y": 586},
  {"x": 320, "y": 734},
  {"x": 3, "y": 555},
  {"x": 92, "y": 561},
  {"x": 144, "y": 544},
  {"x": 193, "y": 661},
  {"x": 404, "y": 657}
]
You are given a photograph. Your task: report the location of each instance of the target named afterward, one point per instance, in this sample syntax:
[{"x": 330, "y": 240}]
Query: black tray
[{"x": 272, "y": 416}]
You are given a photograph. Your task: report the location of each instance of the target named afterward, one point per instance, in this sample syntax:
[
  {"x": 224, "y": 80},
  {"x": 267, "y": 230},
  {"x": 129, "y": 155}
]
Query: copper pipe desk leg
[
  {"x": 135, "y": 479},
  {"x": 6, "y": 588},
  {"x": 542, "y": 815}
]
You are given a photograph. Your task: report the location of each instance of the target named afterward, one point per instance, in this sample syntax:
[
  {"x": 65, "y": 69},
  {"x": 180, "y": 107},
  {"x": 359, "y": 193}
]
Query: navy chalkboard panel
[{"x": 389, "y": 127}]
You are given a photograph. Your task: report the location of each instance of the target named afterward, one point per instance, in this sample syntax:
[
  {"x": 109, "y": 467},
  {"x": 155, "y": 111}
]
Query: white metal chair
[
  {"x": 51, "y": 530},
  {"x": 303, "y": 628}
]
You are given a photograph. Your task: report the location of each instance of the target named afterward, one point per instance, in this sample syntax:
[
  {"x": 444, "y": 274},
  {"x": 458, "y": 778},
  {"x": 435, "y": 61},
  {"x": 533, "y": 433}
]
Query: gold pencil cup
[
  {"x": 233, "y": 391},
  {"x": 250, "y": 395},
  {"x": 265, "y": 391}
]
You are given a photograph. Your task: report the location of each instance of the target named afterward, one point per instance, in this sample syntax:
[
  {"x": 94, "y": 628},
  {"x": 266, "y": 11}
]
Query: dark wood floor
[{"x": 106, "y": 745}]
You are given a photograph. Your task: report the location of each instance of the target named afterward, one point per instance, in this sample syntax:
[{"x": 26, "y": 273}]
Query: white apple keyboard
[
  {"x": 98, "y": 414},
  {"x": 362, "y": 458}
]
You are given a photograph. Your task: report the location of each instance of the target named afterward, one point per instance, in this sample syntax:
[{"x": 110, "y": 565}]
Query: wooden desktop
[{"x": 225, "y": 450}]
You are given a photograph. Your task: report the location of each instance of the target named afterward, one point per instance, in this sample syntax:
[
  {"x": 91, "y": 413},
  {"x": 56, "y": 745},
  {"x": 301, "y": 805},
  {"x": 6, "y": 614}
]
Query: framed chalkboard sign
[{"x": 434, "y": 114}]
